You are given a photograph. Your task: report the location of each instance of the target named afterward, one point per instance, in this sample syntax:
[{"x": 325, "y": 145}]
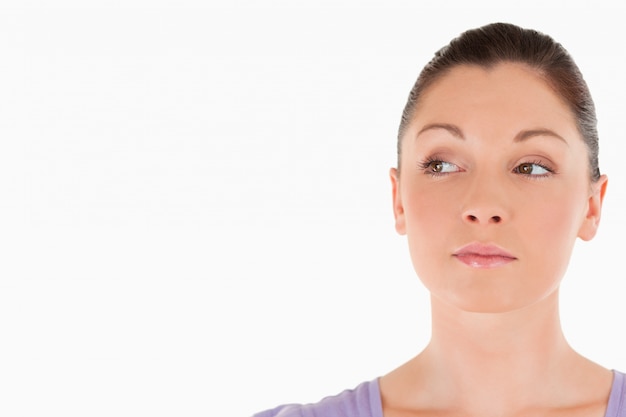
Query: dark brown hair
[{"x": 502, "y": 42}]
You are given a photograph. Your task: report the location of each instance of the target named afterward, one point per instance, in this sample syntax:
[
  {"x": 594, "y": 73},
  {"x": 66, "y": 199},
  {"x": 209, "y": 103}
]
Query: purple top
[{"x": 364, "y": 401}]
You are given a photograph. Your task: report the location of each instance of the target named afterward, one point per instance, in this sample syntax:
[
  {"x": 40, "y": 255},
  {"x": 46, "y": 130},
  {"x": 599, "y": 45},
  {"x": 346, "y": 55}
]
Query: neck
[
  {"x": 488, "y": 350},
  {"x": 492, "y": 363}
]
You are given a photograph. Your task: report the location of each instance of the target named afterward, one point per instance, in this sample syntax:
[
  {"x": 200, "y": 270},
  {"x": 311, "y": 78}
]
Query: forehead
[{"x": 507, "y": 95}]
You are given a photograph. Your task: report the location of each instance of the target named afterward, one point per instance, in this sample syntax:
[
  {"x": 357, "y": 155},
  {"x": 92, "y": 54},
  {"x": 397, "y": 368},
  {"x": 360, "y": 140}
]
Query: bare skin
[
  {"x": 518, "y": 364},
  {"x": 497, "y": 347}
]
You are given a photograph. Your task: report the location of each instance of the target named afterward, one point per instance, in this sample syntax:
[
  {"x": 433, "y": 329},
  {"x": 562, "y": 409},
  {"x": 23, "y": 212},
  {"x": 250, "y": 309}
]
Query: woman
[{"x": 497, "y": 177}]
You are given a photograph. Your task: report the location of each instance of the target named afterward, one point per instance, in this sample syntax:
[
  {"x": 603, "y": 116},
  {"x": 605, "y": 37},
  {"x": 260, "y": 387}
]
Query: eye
[
  {"x": 438, "y": 167},
  {"x": 532, "y": 169}
]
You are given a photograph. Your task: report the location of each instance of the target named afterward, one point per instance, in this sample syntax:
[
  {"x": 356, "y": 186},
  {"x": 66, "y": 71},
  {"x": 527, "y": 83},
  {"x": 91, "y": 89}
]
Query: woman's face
[{"x": 494, "y": 188}]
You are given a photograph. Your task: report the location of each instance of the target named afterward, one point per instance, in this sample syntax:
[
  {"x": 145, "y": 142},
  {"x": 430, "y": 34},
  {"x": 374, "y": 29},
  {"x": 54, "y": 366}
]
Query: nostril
[{"x": 472, "y": 218}]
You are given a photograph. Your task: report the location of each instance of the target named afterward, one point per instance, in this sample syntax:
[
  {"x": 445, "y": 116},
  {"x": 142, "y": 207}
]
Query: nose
[{"x": 485, "y": 203}]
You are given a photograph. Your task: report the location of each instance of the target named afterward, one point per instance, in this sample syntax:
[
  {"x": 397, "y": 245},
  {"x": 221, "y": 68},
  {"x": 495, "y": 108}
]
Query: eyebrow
[
  {"x": 452, "y": 129},
  {"x": 520, "y": 137},
  {"x": 527, "y": 134}
]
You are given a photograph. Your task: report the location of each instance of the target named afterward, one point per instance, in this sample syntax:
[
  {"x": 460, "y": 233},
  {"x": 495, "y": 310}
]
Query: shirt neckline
[{"x": 616, "y": 402}]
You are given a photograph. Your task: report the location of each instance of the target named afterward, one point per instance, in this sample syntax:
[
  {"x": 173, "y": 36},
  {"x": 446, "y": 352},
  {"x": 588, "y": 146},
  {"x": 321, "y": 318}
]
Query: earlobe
[
  {"x": 398, "y": 208},
  {"x": 591, "y": 222}
]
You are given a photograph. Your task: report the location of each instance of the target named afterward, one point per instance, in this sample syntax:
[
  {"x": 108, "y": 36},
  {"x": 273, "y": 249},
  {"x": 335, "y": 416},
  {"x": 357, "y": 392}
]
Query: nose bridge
[{"x": 485, "y": 199}]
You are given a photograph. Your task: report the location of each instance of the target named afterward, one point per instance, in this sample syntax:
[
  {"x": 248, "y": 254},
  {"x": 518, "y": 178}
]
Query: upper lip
[{"x": 483, "y": 249}]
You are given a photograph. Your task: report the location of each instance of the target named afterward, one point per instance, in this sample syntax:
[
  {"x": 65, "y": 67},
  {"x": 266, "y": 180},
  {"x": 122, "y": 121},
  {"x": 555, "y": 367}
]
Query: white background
[{"x": 196, "y": 213}]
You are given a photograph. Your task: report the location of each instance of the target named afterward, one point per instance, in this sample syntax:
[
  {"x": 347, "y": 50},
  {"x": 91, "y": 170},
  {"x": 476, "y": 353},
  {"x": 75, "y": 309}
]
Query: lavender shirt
[{"x": 364, "y": 401}]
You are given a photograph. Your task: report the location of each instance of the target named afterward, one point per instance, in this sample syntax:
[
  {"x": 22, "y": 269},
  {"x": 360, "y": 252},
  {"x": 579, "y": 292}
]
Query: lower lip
[{"x": 484, "y": 261}]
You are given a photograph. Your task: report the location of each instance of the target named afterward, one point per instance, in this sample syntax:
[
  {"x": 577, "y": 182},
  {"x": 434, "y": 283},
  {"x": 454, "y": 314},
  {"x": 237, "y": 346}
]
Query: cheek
[
  {"x": 430, "y": 220},
  {"x": 552, "y": 225},
  {"x": 429, "y": 210},
  {"x": 566, "y": 207}
]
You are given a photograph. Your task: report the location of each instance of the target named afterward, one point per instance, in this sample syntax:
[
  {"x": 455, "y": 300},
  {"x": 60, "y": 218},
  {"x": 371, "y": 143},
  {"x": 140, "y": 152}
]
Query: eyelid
[
  {"x": 540, "y": 163},
  {"x": 425, "y": 164},
  {"x": 539, "y": 158}
]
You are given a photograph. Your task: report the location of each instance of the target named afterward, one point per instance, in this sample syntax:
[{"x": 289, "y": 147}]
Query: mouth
[{"x": 478, "y": 255}]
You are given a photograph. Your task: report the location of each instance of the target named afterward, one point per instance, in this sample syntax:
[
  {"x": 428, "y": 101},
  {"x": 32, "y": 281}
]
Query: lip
[{"x": 480, "y": 255}]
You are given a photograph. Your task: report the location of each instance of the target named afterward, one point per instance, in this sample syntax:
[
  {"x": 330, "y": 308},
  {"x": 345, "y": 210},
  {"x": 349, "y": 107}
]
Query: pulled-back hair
[{"x": 496, "y": 43}]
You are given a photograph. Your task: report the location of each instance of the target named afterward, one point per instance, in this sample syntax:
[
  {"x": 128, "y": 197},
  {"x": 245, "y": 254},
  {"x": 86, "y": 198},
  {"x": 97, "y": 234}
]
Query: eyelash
[
  {"x": 425, "y": 165},
  {"x": 540, "y": 164}
]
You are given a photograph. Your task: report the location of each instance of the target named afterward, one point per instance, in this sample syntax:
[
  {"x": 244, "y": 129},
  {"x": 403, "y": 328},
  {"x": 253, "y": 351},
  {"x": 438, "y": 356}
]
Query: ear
[
  {"x": 591, "y": 222},
  {"x": 398, "y": 208}
]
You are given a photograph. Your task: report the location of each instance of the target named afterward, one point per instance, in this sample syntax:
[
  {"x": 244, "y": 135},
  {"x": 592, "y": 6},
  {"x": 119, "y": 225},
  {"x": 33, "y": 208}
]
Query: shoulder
[
  {"x": 362, "y": 401},
  {"x": 617, "y": 399}
]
